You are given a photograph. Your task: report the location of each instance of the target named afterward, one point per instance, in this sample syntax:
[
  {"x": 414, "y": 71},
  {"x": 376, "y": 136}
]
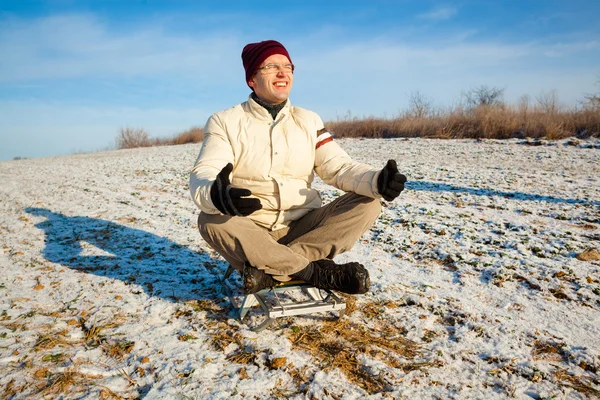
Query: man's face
[{"x": 273, "y": 88}]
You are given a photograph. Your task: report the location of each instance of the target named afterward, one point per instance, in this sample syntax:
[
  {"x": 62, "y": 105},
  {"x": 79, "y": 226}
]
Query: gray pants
[{"x": 322, "y": 233}]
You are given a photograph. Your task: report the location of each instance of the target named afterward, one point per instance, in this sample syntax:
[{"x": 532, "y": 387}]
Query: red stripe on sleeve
[{"x": 324, "y": 141}]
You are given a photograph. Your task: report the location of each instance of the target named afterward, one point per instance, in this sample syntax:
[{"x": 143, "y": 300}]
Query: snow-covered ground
[{"x": 108, "y": 291}]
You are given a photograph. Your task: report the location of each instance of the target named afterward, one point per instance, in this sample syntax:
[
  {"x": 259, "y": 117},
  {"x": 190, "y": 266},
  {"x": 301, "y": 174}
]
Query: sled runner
[{"x": 283, "y": 300}]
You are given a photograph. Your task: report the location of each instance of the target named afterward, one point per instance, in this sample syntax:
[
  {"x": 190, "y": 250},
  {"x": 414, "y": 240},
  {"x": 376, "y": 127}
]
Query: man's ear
[{"x": 251, "y": 83}]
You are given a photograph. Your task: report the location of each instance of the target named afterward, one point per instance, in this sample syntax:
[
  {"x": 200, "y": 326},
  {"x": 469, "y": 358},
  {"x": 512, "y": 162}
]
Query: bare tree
[
  {"x": 484, "y": 96},
  {"x": 524, "y": 105},
  {"x": 593, "y": 100},
  {"x": 130, "y": 138},
  {"x": 548, "y": 102},
  {"x": 420, "y": 106}
]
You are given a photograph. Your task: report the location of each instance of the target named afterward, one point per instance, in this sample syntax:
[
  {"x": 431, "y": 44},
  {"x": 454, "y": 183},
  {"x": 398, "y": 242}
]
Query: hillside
[{"x": 108, "y": 291}]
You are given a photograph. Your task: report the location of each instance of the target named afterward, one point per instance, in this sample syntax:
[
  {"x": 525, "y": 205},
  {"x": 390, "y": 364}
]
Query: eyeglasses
[{"x": 275, "y": 68}]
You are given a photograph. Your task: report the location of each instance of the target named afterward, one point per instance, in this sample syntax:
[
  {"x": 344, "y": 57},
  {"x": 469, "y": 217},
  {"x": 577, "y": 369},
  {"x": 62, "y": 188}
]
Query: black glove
[
  {"x": 230, "y": 200},
  {"x": 390, "y": 181}
]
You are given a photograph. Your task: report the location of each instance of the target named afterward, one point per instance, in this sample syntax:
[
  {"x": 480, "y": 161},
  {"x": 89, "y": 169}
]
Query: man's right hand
[{"x": 229, "y": 200}]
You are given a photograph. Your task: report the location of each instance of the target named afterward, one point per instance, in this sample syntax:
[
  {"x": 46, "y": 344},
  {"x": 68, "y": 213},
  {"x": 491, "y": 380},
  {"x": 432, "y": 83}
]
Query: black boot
[
  {"x": 256, "y": 279},
  {"x": 351, "y": 278}
]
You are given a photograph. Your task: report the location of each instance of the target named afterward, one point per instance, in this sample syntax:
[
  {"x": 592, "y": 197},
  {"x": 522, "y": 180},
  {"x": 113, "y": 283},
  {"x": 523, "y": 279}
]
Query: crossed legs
[{"x": 322, "y": 233}]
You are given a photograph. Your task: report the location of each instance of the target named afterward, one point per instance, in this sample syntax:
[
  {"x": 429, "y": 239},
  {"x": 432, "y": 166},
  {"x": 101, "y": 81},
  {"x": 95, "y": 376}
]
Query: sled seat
[{"x": 286, "y": 299}]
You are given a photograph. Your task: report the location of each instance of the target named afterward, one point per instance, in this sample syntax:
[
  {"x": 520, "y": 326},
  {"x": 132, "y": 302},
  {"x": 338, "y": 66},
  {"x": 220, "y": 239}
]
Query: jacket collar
[{"x": 258, "y": 111}]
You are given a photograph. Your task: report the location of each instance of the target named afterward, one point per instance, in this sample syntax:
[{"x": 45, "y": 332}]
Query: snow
[{"x": 103, "y": 273}]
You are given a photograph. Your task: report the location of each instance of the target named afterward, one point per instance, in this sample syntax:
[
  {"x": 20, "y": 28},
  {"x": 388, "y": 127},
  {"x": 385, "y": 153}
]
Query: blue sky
[{"x": 72, "y": 73}]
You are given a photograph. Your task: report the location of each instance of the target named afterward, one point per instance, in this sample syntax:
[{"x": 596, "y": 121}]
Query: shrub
[
  {"x": 130, "y": 138},
  {"x": 192, "y": 135}
]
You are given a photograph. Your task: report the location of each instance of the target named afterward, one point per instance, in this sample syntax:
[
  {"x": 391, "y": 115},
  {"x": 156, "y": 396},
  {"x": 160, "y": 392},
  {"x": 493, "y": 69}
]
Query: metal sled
[{"x": 283, "y": 300}]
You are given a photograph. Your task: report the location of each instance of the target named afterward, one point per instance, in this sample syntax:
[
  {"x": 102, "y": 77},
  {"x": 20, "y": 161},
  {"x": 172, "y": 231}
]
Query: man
[{"x": 252, "y": 182}]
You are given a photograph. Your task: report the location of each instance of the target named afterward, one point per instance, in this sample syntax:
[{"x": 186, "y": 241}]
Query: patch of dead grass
[
  {"x": 118, "y": 349},
  {"x": 92, "y": 332},
  {"x": 374, "y": 309},
  {"x": 339, "y": 345},
  {"x": 225, "y": 337},
  {"x": 70, "y": 380},
  {"x": 588, "y": 227},
  {"x": 15, "y": 326},
  {"x": 350, "y": 303},
  {"x": 205, "y": 305},
  {"x": 581, "y": 384},
  {"x": 547, "y": 350},
  {"x": 243, "y": 357},
  {"x": 107, "y": 394},
  {"x": 527, "y": 282},
  {"x": 11, "y": 389},
  {"x": 589, "y": 255},
  {"x": 50, "y": 340},
  {"x": 92, "y": 335}
]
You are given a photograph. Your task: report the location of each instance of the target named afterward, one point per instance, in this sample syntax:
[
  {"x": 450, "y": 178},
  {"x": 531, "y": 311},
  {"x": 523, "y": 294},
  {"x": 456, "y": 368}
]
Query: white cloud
[
  {"x": 375, "y": 57},
  {"x": 69, "y": 46},
  {"x": 82, "y": 45},
  {"x": 439, "y": 14},
  {"x": 566, "y": 49}
]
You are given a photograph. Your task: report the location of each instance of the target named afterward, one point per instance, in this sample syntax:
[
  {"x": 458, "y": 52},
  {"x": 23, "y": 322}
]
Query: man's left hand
[{"x": 390, "y": 181}]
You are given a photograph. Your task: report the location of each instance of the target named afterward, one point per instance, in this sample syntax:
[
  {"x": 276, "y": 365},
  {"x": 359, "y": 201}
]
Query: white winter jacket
[{"x": 276, "y": 160}]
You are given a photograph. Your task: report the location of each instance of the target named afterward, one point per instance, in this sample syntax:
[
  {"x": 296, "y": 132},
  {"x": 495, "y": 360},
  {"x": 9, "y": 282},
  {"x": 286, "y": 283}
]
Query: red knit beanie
[{"x": 255, "y": 53}]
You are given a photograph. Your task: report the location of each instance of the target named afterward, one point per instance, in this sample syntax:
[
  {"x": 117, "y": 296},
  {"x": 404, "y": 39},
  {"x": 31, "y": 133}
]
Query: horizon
[{"x": 78, "y": 72}]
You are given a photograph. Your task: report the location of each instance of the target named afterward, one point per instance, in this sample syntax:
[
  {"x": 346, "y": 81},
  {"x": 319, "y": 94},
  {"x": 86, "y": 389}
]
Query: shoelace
[{"x": 335, "y": 279}]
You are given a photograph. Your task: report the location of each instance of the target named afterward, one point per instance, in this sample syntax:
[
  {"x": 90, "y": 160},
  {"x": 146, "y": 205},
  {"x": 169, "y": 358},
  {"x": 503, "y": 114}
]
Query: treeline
[{"x": 481, "y": 113}]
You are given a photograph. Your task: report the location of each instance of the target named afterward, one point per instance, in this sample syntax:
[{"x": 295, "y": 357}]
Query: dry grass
[
  {"x": 350, "y": 303},
  {"x": 192, "y": 135},
  {"x": 589, "y": 255},
  {"x": 92, "y": 332},
  {"x": 50, "y": 340},
  {"x": 107, "y": 394},
  {"x": 209, "y": 306},
  {"x": 92, "y": 335},
  {"x": 581, "y": 384},
  {"x": 548, "y": 350},
  {"x": 10, "y": 390},
  {"x": 341, "y": 344},
  {"x": 555, "y": 352},
  {"x": 242, "y": 357},
  {"x": 225, "y": 337},
  {"x": 15, "y": 326},
  {"x": 45, "y": 375},
  {"x": 130, "y": 138},
  {"x": 118, "y": 349},
  {"x": 70, "y": 381},
  {"x": 497, "y": 122}
]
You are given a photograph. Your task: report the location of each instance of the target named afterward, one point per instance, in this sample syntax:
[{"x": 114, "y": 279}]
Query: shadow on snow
[
  {"x": 443, "y": 187},
  {"x": 154, "y": 264}
]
